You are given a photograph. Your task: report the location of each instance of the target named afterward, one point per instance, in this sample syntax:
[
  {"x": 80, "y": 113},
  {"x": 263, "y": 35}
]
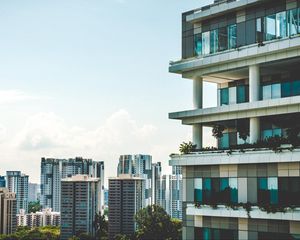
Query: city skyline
[{"x": 55, "y": 104}]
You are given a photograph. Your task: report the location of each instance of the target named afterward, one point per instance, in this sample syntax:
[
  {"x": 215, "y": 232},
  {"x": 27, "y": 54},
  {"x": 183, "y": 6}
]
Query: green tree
[
  {"x": 122, "y": 237},
  {"x": 155, "y": 224},
  {"x": 101, "y": 226},
  {"x": 34, "y": 207},
  {"x": 186, "y": 147}
]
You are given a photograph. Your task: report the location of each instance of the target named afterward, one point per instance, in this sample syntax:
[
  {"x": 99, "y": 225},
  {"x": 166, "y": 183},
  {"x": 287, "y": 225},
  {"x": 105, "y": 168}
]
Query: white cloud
[{"x": 14, "y": 95}]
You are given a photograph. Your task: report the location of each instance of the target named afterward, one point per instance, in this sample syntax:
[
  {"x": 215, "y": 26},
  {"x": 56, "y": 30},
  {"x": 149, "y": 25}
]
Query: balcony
[
  {"x": 262, "y": 108},
  {"x": 278, "y": 49},
  {"x": 255, "y": 213},
  {"x": 245, "y": 156}
]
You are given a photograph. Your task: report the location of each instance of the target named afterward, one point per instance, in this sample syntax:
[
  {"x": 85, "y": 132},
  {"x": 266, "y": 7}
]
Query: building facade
[
  {"x": 139, "y": 165},
  {"x": 245, "y": 187},
  {"x": 80, "y": 198},
  {"x": 38, "y": 219},
  {"x": 125, "y": 199},
  {"x": 54, "y": 170},
  {"x": 8, "y": 211},
  {"x": 2, "y": 182},
  {"x": 34, "y": 192},
  {"x": 18, "y": 183},
  {"x": 156, "y": 176}
]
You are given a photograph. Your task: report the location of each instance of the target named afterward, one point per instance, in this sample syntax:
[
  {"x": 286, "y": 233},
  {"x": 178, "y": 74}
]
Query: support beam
[
  {"x": 198, "y": 92},
  {"x": 197, "y": 135},
  {"x": 254, "y": 83}
]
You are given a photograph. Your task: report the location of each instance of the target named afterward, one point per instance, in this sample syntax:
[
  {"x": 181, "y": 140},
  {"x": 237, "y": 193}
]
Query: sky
[{"x": 90, "y": 78}]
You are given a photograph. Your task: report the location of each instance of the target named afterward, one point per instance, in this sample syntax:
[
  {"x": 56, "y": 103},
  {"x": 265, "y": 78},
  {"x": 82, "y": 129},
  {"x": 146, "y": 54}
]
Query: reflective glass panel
[
  {"x": 241, "y": 94},
  {"x": 296, "y": 88},
  {"x": 198, "y": 44},
  {"x": 281, "y": 25},
  {"x": 223, "y": 39},
  {"x": 276, "y": 91},
  {"x": 224, "y": 141},
  {"x": 224, "y": 96},
  {"x": 277, "y": 132},
  {"x": 270, "y": 27},
  {"x": 259, "y": 30},
  {"x": 286, "y": 89},
  {"x": 205, "y": 43},
  {"x": 233, "y": 184},
  {"x": 198, "y": 190},
  {"x": 214, "y": 41},
  {"x": 232, "y": 36},
  {"x": 267, "y": 134},
  {"x": 267, "y": 92},
  {"x": 293, "y": 22},
  {"x": 273, "y": 188},
  {"x": 232, "y": 95}
]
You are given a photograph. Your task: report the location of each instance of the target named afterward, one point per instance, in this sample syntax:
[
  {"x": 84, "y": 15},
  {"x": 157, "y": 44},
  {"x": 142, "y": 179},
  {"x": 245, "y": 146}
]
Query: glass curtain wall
[
  {"x": 205, "y": 43},
  {"x": 198, "y": 44},
  {"x": 214, "y": 41},
  {"x": 232, "y": 36}
]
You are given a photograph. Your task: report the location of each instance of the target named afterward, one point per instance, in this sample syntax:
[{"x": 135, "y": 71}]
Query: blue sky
[{"x": 90, "y": 78}]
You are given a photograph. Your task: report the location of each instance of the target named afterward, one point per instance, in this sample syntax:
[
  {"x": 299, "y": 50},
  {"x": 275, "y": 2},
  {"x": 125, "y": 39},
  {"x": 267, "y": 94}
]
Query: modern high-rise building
[
  {"x": 80, "y": 198},
  {"x": 54, "y": 170},
  {"x": 139, "y": 166},
  {"x": 248, "y": 186},
  {"x": 38, "y": 219},
  {"x": 8, "y": 211},
  {"x": 18, "y": 183},
  {"x": 125, "y": 199},
  {"x": 34, "y": 192},
  {"x": 156, "y": 176},
  {"x": 169, "y": 192},
  {"x": 2, "y": 182}
]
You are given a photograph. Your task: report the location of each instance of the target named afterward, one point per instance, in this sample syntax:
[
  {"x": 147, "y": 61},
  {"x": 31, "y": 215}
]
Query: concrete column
[
  {"x": 198, "y": 104},
  {"x": 198, "y": 92},
  {"x": 254, "y": 82},
  {"x": 197, "y": 135},
  {"x": 254, "y": 86}
]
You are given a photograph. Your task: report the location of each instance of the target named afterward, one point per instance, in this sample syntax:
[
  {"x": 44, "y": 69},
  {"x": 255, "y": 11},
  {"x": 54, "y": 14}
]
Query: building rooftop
[
  {"x": 80, "y": 178},
  {"x": 125, "y": 177}
]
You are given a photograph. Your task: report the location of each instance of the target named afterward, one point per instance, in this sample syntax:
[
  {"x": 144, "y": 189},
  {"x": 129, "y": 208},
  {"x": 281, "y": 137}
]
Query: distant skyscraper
[
  {"x": 39, "y": 219},
  {"x": 18, "y": 183},
  {"x": 139, "y": 166},
  {"x": 8, "y": 211},
  {"x": 125, "y": 165},
  {"x": 124, "y": 201},
  {"x": 80, "y": 197},
  {"x": 156, "y": 175},
  {"x": 169, "y": 193},
  {"x": 54, "y": 170},
  {"x": 2, "y": 182},
  {"x": 33, "y": 192}
]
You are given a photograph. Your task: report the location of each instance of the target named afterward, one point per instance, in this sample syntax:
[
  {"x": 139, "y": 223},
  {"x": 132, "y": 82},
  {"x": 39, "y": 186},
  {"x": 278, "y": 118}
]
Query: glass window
[
  {"x": 267, "y": 92},
  {"x": 232, "y": 95},
  {"x": 273, "y": 189},
  {"x": 286, "y": 90},
  {"x": 267, "y": 134},
  {"x": 233, "y": 184},
  {"x": 293, "y": 22},
  {"x": 241, "y": 94},
  {"x": 198, "y": 44},
  {"x": 232, "y": 36},
  {"x": 259, "y": 30},
  {"x": 270, "y": 27},
  {"x": 224, "y": 141},
  {"x": 205, "y": 43},
  {"x": 224, "y": 96},
  {"x": 263, "y": 194},
  {"x": 296, "y": 88},
  {"x": 281, "y": 25},
  {"x": 223, "y": 39},
  {"x": 207, "y": 191},
  {"x": 198, "y": 190},
  {"x": 276, "y": 91},
  {"x": 214, "y": 41},
  {"x": 277, "y": 132}
]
